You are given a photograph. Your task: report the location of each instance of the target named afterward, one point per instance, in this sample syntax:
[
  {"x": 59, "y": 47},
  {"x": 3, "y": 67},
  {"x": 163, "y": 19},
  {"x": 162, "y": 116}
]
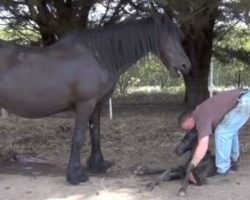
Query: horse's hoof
[
  {"x": 182, "y": 193},
  {"x": 99, "y": 166},
  {"x": 77, "y": 177}
]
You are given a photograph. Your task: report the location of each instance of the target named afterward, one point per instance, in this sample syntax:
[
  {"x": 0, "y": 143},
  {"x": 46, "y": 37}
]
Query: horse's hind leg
[
  {"x": 75, "y": 173},
  {"x": 96, "y": 162}
]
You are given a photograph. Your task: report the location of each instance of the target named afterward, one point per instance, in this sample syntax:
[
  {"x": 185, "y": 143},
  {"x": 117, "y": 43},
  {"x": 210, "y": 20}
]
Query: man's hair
[{"x": 184, "y": 115}]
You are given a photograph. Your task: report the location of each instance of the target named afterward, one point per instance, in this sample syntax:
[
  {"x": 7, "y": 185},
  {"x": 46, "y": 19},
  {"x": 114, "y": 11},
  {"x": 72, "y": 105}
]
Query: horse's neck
[
  {"x": 130, "y": 62},
  {"x": 121, "y": 47}
]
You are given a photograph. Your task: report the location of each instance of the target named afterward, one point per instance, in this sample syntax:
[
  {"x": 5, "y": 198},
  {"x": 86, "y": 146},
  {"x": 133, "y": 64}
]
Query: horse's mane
[{"x": 126, "y": 42}]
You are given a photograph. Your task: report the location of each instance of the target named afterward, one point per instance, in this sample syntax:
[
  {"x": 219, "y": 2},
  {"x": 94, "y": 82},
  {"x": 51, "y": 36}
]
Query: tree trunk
[
  {"x": 47, "y": 38},
  {"x": 198, "y": 45},
  {"x": 196, "y": 81},
  {"x": 65, "y": 17}
]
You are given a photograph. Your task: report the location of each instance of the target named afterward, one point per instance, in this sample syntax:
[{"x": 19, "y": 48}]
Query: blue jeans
[{"x": 227, "y": 147}]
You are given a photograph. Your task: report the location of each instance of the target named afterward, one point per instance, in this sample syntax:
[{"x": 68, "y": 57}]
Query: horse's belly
[
  {"x": 33, "y": 101},
  {"x": 37, "y": 89},
  {"x": 34, "y": 109}
]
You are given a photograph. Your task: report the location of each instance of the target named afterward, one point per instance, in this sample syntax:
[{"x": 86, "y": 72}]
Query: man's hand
[{"x": 192, "y": 179}]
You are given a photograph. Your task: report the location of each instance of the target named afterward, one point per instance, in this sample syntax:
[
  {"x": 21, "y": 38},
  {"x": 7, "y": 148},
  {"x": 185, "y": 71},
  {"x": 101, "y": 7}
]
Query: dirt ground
[{"x": 143, "y": 131}]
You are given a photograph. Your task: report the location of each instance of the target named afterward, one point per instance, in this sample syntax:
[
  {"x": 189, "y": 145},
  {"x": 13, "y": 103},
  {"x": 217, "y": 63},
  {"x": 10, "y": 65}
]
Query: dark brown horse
[{"x": 80, "y": 72}]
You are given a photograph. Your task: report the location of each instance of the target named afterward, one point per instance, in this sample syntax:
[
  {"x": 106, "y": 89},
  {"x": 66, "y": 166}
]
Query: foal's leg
[
  {"x": 75, "y": 173},
  {"x": 183, "y": 189},
  {"x": 96, "y": 162},
  {"x": 168, "y": 175}
]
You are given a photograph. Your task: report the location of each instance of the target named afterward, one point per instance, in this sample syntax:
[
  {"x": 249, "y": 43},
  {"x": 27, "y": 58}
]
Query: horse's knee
[{"x": 78, "y": 138}]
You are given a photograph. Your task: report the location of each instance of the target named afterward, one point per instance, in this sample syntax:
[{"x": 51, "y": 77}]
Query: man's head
[{"x": 186, "y": 121}]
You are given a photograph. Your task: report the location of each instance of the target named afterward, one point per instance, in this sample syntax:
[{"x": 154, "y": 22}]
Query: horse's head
[
  {"x": 188, "y": 143},
  {"x": 170, "y": 46}
]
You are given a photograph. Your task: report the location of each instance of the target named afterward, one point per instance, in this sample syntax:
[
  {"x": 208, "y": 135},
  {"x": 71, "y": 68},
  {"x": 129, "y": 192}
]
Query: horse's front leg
[
  {"x": 96, "y": 162},
  {"x": 75, "y": 173}
]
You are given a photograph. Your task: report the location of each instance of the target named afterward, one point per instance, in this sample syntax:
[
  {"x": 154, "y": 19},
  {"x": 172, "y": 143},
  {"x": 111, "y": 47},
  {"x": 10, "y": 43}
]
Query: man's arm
[{"x": 200, "y": 150}]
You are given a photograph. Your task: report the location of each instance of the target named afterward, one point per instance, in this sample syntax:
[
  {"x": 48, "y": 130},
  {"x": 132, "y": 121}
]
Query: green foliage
[
  {"x": 128, "y": 79},
  {"x": 149, "y": 72},
  {"x": 232, "y": 60},
  {"x": 23, "y": 36},
  {"x": 247, "y": 45},
  {"x": 3, "y": 35}
]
